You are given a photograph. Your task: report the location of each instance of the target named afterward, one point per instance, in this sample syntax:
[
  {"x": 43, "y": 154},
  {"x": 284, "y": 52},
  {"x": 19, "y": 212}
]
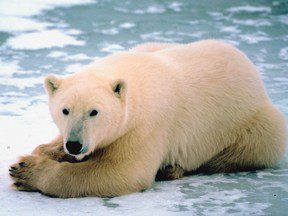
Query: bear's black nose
[{"x": 73, "y": 147}]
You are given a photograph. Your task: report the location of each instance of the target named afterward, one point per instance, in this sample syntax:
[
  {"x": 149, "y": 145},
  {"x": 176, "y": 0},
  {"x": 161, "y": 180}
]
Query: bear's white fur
[{"x": 180, "y": 105}]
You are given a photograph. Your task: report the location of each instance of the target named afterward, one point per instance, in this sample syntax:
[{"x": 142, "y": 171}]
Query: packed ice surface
[{"x": 53, "y": 36}]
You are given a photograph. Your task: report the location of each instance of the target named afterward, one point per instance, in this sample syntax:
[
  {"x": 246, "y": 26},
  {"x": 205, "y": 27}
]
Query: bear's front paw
[
  {"x": 54, "y": 152},
  {"x": 26, "y": 172}
]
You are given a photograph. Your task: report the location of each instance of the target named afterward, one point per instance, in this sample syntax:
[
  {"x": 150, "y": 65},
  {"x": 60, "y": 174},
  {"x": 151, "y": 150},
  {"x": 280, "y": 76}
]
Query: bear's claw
[
  {"x": 23, "y": 173},
  {"x": 22, "y": 164},
  {"x": 17, "y": 184}
]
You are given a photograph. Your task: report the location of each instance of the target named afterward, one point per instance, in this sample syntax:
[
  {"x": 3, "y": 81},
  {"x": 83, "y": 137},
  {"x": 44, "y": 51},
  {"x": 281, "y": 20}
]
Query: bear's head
[{"x": 89, "y": 110}]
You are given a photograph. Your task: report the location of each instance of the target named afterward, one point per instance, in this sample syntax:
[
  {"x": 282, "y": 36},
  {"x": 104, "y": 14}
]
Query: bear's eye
[
  {"x": 65, "y": 111},
  {"x": 93, "y": 113}
]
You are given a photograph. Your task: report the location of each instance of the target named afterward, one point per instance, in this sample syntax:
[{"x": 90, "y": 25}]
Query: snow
[
  {"x": 43, "y": 39},
  {"x": 15, "y": 24},
  {"x": 127, "y": 25},
  {"x": 249, "y": 9},
  {"x": 64, "y": 56},
  {"x": 110, "y": 48},
  {"x": 284, "y": 53},
  {"x": 30, "y": 8},
  {"x": 8, "y": 68},
  {"x": 15, "y": 17},
  {"x": 153, "y": 9}
]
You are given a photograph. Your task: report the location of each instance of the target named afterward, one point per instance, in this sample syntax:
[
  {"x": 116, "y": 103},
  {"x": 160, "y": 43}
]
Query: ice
[
  {"x": 284, "y": 53},
  {"x": 254, "y": 38},
  {"x": 78, "y": 57},
  {"x": 127, "y": 25},
  {"x": 15, "y": 24},
  {"x": 110, "y": 48},
  {"x": 153, "y": 9},
  {"x": 284, "y": 19},
  {"x": 73, "y": 68},
  {"x": 22, "y": 83},
  {"x": 250, "y": 9},
  {"x": 255, "y": 22},
  {"x": 7, "y": 69},
  {"x": 176, "y": 6},
  {"x": 111, "y": 31},
  {"x": 30, "y": 8},
  {"x": 43, "y": 39},
  {"x": 57, "y": 54},
  {"x": 159, "y": 36},
  {"x": 14, "y": 17},
  {"x": 64, "y": 56},
  {"x": 231, "y": 29}
]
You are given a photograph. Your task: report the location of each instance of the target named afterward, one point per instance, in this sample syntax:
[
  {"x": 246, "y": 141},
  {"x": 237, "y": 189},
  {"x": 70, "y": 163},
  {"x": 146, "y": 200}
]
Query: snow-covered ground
[{"x": 60, "y": 36}]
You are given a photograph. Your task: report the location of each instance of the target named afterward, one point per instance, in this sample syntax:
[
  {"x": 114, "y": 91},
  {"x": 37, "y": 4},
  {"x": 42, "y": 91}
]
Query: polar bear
[{"x": 198, "y": 106}]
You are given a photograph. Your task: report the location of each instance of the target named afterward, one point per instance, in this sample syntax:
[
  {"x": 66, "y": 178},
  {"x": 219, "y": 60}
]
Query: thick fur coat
[{"x": 198, "y": 106}]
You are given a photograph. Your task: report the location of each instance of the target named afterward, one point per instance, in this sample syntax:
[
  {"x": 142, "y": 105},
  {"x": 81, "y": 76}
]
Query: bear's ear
[
  {"x": 51, "y": 84},
  {"x": 119, "y": 88}
]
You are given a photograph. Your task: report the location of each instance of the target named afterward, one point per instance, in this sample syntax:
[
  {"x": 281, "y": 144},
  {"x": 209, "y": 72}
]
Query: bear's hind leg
[
  {"x": 260, "y": 144},
  {"x": 170, "y": 173}
]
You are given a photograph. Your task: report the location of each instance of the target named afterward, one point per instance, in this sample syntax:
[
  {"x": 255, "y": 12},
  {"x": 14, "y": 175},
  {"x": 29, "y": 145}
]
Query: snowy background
[{"x": 53, "y": 36}]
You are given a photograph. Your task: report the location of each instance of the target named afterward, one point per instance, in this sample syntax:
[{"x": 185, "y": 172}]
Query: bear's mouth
[
  {"x": 85, "y": 158},
  {"x": 83, "y": 154},
  {"x": 84, "y": 149}
]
